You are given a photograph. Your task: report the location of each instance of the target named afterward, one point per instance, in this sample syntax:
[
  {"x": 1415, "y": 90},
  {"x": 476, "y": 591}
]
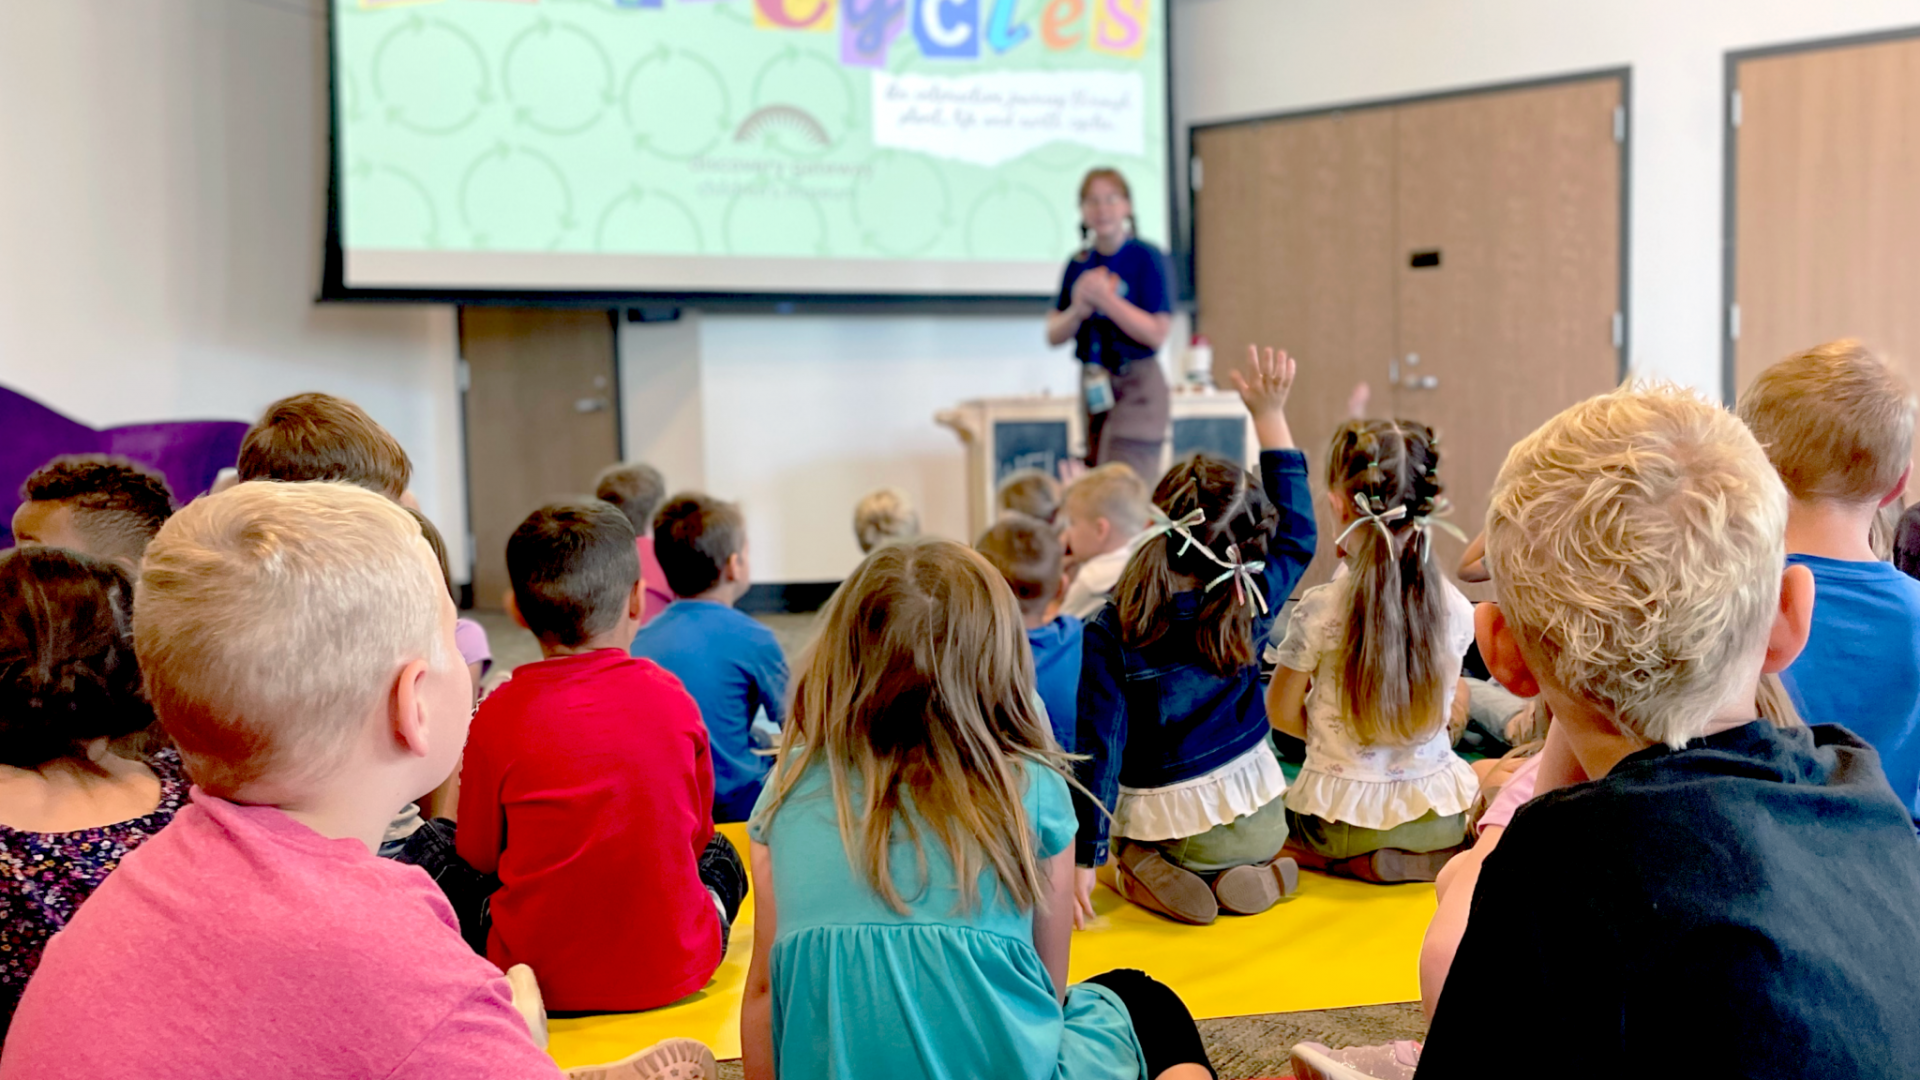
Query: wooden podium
[{"x": 1003, "y": 435}]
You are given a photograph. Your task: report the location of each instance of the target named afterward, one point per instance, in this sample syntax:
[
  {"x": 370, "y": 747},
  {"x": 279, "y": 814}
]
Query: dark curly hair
[
  {"x": 117, "y": 506},
  {"x": 1238, "y": 515},
  {"x": 67, "y": 667}
]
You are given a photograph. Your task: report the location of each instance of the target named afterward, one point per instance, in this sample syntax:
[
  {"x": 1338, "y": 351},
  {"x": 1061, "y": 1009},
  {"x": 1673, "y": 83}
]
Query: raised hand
[{"x": 1264, "y": 388}]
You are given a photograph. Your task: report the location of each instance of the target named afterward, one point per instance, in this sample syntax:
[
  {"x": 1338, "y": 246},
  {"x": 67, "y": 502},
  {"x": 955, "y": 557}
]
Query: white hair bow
[{"x": 1240, "y": 573}]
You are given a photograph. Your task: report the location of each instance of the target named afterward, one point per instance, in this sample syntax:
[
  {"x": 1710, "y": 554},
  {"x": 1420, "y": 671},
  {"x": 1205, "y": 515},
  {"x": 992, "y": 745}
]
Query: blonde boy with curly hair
[
  {"x": 1695, "y": 891},
  {"x": 1837, "y": 424}
]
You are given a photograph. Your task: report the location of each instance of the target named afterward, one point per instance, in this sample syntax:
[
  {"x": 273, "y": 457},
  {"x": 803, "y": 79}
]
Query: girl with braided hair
[
  {"x": 1369, "y": 669},
  {"x": 1178, "y": 769}
]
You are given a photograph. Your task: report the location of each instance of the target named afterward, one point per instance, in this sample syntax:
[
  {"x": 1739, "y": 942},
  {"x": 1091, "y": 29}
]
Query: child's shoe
[
  {"x": 528, "y": 1003},
  {"x": 1391, "y": 865},
  {"x": 674, "y": 1059},
  {"x": 1393, "y": 1061},
  {"x": 1147, "y": 879},
  {"x": 1250, "y": 890}
]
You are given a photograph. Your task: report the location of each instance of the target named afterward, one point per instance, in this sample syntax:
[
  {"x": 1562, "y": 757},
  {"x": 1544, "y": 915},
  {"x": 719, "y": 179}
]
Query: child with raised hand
[
  {"x": 1172, "y": 720},
  {"x": 297, "y": 642},
  {"x": 70, "y": 808},
  {"x": 912, "y": 863},
  {"x": 1369, "y": 669}
]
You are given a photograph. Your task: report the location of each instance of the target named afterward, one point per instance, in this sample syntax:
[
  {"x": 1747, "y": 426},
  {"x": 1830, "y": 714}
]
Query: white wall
[
  {"x": 1235, "y": 58},
  {"x": 798, "y": 416},
  {"x": 160, "y": 230},
  {"x": 161, "y": 215}
]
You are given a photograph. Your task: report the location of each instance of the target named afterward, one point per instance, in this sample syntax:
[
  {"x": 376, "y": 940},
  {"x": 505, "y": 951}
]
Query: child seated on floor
[
  {"x": 1692, "y": 891},
  {"x": 587, "y": 787},
  {"x": 297, "y": 643},
  {"x": 314, "y": 436},
  {"x": 94, "y": 504},
  {"x": 1106, "y": 514},
  {"x": 1030, "y": 492},
  {"x": 884, "y": 516},
  {"x": 638, "y": 490},
  {"x": 1027, "y": 554},
  {"x": 1369, "y": 670},
  {"x": 70, "y": 808},
  {"x": 912, "y": 857},
  {"x": 1172, "y": 720},
  {"x": 1837, "y": 424},
  {"x": 729, "y": 661}
]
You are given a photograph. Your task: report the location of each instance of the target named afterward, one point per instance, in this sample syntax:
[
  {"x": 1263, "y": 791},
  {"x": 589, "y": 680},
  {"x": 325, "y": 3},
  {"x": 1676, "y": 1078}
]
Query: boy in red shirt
[{"x": 588, "y": 787}]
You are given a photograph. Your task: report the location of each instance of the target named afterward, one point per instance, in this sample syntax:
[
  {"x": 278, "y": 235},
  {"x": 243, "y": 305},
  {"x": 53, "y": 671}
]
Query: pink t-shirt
[
  {"x": 240, "y": 943},
  {"x": 655, "y": 580},
  {"x": 1515, "y": 793}
]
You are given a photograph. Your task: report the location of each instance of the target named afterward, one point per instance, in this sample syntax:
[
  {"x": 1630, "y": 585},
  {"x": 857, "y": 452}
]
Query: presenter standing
[{"x": 1115, "y": 307}]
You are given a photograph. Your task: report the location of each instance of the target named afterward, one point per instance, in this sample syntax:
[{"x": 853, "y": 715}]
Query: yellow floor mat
[{"x": 1334, "y": 944}]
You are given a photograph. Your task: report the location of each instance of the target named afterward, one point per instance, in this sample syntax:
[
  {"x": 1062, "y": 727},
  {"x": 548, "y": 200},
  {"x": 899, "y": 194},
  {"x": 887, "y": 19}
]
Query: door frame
[
  {"x": 1730, "y": 177},
  {"x": 1624, "y": 135},
  {"x": 463, "y": 384}
]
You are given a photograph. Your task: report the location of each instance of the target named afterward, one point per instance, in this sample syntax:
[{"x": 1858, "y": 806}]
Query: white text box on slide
[{"x": 993, "y": 118}]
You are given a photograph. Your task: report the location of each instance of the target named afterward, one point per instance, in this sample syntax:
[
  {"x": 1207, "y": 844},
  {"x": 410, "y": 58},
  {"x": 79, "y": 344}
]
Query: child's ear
[
  {"x": 737, "y": 566},
  {"x": 513, "y": 609},
  {"x": 1792, "y": 622},
  {"x": 407, "y": 717},
  {"x": 1898, "y": 489},
  {"x": 1066, "y": 582},
  {"x": 1501, "y": 651}
]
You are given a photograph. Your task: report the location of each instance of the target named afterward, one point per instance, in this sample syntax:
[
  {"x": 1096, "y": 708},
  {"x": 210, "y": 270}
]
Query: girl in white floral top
[{"x": 1369, "y": 668}]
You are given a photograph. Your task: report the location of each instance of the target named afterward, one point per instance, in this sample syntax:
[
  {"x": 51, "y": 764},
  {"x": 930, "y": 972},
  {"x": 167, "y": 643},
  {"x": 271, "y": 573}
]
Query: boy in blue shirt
[
  {"x": 730, "y": 663},
  {"x": 1837, "y": 424},
  {"x": 1028, "y": 555}
]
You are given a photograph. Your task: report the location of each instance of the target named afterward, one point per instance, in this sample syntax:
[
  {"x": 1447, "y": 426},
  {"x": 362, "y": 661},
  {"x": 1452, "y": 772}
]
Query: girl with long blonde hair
[
  {"x": 912, "y": 856},
  {"x": 1369, "y": 669}
]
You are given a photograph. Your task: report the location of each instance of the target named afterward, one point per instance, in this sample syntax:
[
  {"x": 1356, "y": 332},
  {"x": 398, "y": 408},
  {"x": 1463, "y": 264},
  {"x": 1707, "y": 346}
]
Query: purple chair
[{"x": 189, "y": 453}]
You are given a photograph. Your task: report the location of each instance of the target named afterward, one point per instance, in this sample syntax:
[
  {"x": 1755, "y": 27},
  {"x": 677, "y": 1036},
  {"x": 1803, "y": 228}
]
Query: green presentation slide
[{"x": 911, "y": 146}]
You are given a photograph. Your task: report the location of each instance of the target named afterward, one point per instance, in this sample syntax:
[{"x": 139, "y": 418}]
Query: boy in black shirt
[{"x": 1695, "y": 892}]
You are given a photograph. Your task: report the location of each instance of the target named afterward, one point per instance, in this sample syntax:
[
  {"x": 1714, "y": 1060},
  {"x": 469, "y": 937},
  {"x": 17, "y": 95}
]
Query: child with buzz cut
[
  {"x": 1837, "y": 424},
  {"x": 728, "y": 661},
  {"x": 1027, "y": 553},
  {"x": 587, "y": 786},
  {"x": 1105, "y": 516},
  {"x": 1693, "y": 891},
  {"x": 637, "y": 490},
  {"x": 297, "y": 642}
]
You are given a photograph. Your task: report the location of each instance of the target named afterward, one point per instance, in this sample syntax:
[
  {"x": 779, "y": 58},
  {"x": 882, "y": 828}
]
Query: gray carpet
[{"x": 1252, "y": 1047}]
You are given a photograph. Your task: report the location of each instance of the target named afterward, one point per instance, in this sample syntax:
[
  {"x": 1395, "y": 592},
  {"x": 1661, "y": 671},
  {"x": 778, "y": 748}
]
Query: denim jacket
[{"x": 1155, "y": 716}]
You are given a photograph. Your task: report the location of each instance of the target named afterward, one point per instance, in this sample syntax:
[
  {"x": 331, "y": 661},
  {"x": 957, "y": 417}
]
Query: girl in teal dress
[{"x": 913, "y": 857}]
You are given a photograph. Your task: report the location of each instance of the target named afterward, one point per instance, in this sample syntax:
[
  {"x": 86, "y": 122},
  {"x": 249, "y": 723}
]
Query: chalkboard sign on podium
[
  {"x": 1028, "y": 444},
  {"x": 1222, "y": 435}
]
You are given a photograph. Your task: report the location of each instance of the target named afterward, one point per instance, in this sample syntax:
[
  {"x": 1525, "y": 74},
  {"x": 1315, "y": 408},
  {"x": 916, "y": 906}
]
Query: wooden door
[
  {"x": 1827, "y": 204},
  {"x": 1507, "y": 264},
  {"x": 1294, "y": 248},
  {"x": 542, "y": 419}
]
